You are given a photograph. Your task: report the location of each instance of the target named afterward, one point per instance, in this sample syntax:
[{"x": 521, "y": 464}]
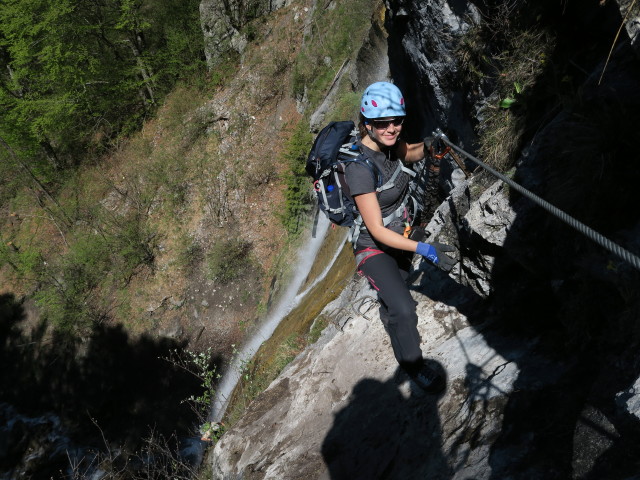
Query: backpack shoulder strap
[{"x": 351, "y": 152}]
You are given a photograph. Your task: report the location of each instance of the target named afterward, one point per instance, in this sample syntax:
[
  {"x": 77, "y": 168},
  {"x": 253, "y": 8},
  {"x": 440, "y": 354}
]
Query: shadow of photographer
[{"x": 383, "y": 433}]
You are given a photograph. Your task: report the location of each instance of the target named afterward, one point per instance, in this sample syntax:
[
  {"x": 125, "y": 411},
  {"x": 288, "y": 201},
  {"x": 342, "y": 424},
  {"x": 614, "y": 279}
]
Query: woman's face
[{"x": 386, "y": 130}]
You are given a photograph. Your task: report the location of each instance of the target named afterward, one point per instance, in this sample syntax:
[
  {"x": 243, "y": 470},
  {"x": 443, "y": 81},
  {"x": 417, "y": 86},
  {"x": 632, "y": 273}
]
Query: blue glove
[{"x": 434, "y": 252}]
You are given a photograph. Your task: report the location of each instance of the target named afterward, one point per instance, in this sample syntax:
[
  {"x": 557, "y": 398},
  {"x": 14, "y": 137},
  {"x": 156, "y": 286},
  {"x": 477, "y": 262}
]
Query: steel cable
[{"x": 614, "y": 248}]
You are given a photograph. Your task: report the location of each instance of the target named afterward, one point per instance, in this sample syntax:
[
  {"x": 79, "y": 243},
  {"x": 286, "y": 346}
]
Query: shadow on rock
[{"x": 382, "y": 434}]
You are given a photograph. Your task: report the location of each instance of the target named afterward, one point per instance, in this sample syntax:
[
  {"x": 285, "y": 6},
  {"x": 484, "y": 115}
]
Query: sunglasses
[{"x": 384, "y": 124}]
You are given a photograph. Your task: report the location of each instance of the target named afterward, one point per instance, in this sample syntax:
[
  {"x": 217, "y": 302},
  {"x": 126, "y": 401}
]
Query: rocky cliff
[
  {"x": 536, "y": 327},
  {"x": 223, "y": 23}
]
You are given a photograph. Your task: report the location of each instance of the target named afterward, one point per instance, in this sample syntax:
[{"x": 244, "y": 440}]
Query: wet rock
[{"x": 36, "y": 446}]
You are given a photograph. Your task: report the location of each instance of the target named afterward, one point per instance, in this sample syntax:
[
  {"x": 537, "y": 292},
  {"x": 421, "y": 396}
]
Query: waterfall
[{"x": 289, "y": 299}]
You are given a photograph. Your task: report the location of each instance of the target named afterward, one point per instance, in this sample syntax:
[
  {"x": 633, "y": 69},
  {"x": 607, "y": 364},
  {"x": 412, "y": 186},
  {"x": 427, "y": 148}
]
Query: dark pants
[{"x": 387, "y": 273}]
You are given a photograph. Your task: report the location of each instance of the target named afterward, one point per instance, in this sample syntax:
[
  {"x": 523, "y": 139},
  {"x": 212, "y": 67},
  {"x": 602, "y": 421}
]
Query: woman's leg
[{"x": 397, "y": 307}]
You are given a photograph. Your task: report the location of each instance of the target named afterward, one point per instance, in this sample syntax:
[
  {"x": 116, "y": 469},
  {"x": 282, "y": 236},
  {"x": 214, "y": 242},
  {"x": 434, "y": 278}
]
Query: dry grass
[
  {"x": 519, "y": 66},
  {"x": 510, "y": 69},
  {"x": 500, "y": 138}
]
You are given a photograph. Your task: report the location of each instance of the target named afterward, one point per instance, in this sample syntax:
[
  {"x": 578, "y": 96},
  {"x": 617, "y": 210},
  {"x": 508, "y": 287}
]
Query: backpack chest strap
[{"x": 392, "y": 181}]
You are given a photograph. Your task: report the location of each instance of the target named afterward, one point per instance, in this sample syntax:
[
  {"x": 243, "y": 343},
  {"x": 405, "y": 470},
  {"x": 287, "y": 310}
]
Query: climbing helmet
[{"x": 382, "y": 99}]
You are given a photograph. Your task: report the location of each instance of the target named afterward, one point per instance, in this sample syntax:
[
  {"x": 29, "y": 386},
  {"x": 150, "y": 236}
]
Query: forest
[
  {"x": 77, "y": 75},
  {"x": 77, "y": 78}
]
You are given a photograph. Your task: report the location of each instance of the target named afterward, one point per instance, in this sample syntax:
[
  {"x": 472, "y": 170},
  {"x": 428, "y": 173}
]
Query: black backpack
[{"x": 332, "y": 149}]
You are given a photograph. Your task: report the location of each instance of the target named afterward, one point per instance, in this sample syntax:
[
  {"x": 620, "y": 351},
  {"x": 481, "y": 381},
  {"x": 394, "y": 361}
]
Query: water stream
[{"x": 289, "y": 299}]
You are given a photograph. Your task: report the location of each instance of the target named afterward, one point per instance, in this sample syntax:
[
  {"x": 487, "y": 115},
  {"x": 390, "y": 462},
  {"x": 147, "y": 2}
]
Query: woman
[{"x": 383, "y": 253}]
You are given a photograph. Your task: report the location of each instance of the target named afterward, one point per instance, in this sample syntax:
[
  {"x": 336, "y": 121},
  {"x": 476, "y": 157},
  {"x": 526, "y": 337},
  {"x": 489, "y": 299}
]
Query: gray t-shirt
[{"x": 361, "y": 180}]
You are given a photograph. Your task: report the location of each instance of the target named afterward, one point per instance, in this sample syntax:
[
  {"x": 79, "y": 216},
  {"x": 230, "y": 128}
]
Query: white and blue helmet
[{"x": 382, "y": 99}]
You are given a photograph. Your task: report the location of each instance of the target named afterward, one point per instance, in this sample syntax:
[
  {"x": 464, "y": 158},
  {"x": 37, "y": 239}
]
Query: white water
[{"x": 289, "y": 299}]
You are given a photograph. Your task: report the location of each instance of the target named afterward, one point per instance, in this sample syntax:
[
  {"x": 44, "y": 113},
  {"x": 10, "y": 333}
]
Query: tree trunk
[
  {"x": 145, "y": 70},
  {"x": 50, "y": 153}
]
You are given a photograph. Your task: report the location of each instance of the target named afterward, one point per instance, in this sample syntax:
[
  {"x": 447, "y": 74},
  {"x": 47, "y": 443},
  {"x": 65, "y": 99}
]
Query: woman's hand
[
  {"x": 369, "y": 208},
  {"x": 434, "y": 252}
]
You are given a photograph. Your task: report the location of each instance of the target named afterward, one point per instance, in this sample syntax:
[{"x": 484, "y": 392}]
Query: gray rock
[
  {"x": 220, "y": 33},
  {"x": 222, "y": 21},
  {"x": 343, "y": 408},
  {"x": 428, "y": 33},
  {"x": 630, "y": 11},
  {"x": 629, "y": 400}
]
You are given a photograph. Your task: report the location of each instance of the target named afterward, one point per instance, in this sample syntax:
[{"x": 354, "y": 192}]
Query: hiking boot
[{"x": 428, "y": 379}]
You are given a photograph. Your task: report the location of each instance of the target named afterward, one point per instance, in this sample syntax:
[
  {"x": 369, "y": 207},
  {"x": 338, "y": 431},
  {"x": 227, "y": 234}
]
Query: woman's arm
[
  {"x": 369, "y": 208},
  {"x": 410, "y": 152}
]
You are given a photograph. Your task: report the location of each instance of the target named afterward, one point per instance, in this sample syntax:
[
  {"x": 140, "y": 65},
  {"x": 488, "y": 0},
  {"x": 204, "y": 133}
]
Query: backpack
[{"x": 332, "y": 149}]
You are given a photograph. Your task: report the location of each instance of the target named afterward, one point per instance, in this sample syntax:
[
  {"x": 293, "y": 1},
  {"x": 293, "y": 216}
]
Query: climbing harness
[{"x": 601, "y": 240}]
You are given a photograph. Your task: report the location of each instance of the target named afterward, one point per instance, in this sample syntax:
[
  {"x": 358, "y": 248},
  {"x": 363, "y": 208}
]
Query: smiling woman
[{"x": 383, "y": 251}]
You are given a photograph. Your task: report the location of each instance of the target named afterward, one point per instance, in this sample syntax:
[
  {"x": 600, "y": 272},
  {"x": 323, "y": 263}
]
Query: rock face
[
  {"x": 536, "y": 326},
  {"x": 630, "y": 11},
  {"x": 342, "y": 410},
  {"x": 512, "y": 409},
  {"x": 222, "y": 22},
  {"x": 423, "y": 37},
  {"x": 370, "y": 65}
]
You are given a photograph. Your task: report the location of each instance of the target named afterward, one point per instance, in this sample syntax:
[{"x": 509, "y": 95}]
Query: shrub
[
  {"x": 298, "y": 193},
  {"x": 229, "y": 260},
  {"x": 134, "y": 245},
  {"x": 67, "y": 294},
  {"x": 190, "y": 255},
  {"x": 521, "y": 65},
  {"x": 224, "y": 70},
  {"x": 507, "y": 55}
]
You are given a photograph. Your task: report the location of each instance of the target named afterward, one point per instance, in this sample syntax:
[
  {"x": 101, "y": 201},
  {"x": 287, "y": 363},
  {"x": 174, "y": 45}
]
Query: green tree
[
  {"x": 51, "y": 65},
  {"x": 298, "y": 192},
  {"x": 74, "y": 72},
  {"x": 67, "y": 293}
]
